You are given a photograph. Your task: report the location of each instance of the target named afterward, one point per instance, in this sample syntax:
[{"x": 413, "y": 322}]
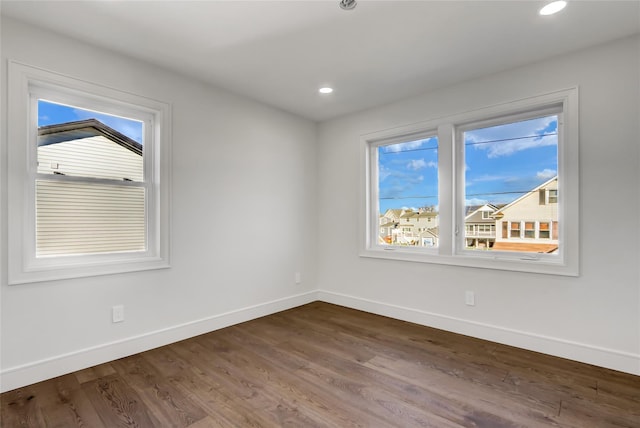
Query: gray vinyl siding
[
  {"x": 86, "y": 218},
  {"x": 83, "y": 217},
  {"x": 96, "y": 157}
]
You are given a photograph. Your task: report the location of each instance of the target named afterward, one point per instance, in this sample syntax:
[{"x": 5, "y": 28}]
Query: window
[
  {"x": 511, "y": 162},
  {"x": 486, "y": 228},
  {"x": 544, "y": 230},
  {"x": 407, "y": 183},
  {"x": 90, "y": 195},
  {"x": 529, "y": 229},
  {"x": 548, "y": 196},
  {"x": 90, "y": 186},
  {"x": 515, "y": 229},
  {"x": 494, "y": 169}
]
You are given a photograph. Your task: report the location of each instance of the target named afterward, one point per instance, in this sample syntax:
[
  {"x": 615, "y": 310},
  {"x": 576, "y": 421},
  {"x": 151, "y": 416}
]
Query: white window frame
[
  {"x": 451, "y": 248},
  {"x": 26, "y": 85}
]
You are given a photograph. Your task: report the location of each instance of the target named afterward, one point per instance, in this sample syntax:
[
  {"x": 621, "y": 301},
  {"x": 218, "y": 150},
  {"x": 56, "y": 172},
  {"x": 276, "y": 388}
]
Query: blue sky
[
  {"x": 501, "y": 163},
  {"x": 51, "y": 113},
  {"x": 408, "y": 174}
]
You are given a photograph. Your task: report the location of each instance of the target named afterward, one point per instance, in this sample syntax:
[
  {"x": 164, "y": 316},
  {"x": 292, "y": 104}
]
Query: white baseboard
[
  {"x": 609, "y": 358},
  {"x": 18, "y": 376}
]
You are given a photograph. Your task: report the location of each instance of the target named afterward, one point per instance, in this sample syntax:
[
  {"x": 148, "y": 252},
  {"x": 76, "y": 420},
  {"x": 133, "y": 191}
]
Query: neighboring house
[
  {"x": 480, "y": 227},
  {"x": 388, "y": 225},
  {"x": 530, "y": 223},
  {"x": 429, "y": 237},
  {"x": 90, "y": 194},
  {"x": 409, "y": 227}
]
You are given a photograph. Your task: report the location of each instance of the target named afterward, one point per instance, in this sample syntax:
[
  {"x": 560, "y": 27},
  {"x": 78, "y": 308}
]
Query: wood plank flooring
[{"x": 322, "y": 365}]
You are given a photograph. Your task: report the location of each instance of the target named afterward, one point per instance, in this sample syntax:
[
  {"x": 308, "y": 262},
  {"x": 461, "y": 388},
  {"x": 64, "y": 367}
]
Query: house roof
[
  {"x": 471, "y": 210},
  {"x": 389, "y": 224},
  {"x": 427, "y": 214},
  {"x": 394, "y": 212},
  {"x": 68, "y": 131},
  {"x": 546, "y": 183},
  {"x": 433, "y": 232}
]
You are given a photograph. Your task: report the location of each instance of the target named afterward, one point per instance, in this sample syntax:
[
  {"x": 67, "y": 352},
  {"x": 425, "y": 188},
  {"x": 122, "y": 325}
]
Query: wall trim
[
  {"x": 609, "y": 358},
  {"x": 27, "y": 374}
]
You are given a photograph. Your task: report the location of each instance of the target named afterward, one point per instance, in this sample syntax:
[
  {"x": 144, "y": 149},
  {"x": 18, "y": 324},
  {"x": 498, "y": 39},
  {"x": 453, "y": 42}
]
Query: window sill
[
  {"x": 52, "y": 273},
  {"x": 506, "y": 261}
]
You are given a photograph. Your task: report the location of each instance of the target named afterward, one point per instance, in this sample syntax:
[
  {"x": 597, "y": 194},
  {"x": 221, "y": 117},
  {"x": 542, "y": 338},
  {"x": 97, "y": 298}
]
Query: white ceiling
[{"x": 281, "y": 52}]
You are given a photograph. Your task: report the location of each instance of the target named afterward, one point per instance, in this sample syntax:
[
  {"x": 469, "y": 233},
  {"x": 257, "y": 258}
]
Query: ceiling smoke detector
[{"x": 348, "y": 4}]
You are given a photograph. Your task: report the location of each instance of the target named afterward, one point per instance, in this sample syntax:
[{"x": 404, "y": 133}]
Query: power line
[
  {"x": 512, "y": 192},
  {"x": 510, "y": 139},
  {"x": 409, "y": 150},
  {"x": 474, "y": 143}
]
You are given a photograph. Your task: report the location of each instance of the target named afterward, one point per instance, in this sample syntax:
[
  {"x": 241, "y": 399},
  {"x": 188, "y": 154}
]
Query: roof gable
[
  {"x": 542, "y": 186},
  {"x": 483, "y": 208},
  {"x": 69, "y": 131}
]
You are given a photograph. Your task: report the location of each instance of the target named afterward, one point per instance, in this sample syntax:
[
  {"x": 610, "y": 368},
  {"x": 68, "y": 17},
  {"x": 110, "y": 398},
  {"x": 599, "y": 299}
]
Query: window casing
[
  {"x": 452, "y": 246},
  {"x": 49, "y": 204}
]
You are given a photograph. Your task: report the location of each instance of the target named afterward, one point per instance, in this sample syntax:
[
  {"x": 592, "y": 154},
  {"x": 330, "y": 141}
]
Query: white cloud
[
  {"x": 475, "y": 201},
  {"x": 383, "y": 172},
  {"x": 486, "y": 177},
  {"x": 509, "y": 146},
  {"x": 546, "y": 174},
  {"x": 416, "y": 164},
  {"x": 411, "y": 145}
]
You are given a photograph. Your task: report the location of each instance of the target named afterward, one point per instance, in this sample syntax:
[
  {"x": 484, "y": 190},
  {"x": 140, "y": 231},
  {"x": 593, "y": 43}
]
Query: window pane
[
  {"x": 87, "y": 218},
  {"x": 79, "y": 216},
  {"x": 408, "y": 193},
  {"x": 83, "y": 143},
  {"x": 511, "y": 174}
]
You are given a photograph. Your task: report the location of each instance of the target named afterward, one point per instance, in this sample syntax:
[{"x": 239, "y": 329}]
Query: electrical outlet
[
  {"x": 117, "y": 313},
  {"x": 298, "y": 277},
  {"x": 470, "y": 298}
]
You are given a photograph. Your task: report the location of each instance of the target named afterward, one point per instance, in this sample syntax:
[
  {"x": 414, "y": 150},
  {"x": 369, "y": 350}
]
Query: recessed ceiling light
[
  {"x": 348, "y": 4},
  {"x": 325, "y": 90},
  {"x": 553, "y": 7}
]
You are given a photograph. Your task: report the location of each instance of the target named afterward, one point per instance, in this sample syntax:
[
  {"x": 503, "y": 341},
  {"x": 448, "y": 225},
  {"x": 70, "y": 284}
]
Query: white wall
[
  {"x": 243, "y": 222},
  {"x": 593, "y": 318},
  {"x": 255, "y": 200}
]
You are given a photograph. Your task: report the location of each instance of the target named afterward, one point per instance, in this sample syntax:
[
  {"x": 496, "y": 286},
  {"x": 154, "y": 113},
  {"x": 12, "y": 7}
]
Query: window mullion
[{"x": 447, "y": 158}]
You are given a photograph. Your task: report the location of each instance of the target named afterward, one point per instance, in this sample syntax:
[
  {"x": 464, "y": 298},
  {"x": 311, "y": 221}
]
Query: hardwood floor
[{"x": 322, "y": 365}]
